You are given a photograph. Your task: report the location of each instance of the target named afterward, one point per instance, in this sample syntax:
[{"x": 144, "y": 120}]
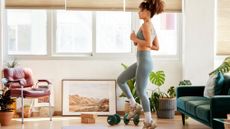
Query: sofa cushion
[
  {"x": 209, "y": 87},
  {"x": 219, "y": 84},
  {"x": 226, "y": 87},
  {"x": 203, "y": 112},
  {"x": 182, "y": 100},
  {"x": 190, "y": 106}
]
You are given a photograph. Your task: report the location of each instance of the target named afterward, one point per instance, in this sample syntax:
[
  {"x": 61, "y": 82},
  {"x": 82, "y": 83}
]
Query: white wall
[
  {"x": 199, "y": 40},
  {"x": 1, "y": 61}
]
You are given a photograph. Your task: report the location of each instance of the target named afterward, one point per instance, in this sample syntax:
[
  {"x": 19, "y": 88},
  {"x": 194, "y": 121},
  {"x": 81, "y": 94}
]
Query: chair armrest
[
  {"x": 189, "y": 91},
  {"x": 43, "y": 80},
  {"x": 7, "y": 82},
  {"x": 220, "y": 106}
]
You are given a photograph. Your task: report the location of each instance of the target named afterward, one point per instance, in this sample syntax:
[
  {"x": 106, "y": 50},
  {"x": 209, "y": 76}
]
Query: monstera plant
[{"x": 163, "y": 103}]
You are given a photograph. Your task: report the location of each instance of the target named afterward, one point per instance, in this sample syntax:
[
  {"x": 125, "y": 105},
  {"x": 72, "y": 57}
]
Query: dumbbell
[
  {"x": 113, "y": 119},
  {"x": 136, "y": 119}
]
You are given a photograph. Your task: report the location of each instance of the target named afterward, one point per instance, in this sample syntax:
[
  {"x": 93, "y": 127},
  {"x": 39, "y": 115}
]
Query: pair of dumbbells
[{"x": 116, "y": 119}]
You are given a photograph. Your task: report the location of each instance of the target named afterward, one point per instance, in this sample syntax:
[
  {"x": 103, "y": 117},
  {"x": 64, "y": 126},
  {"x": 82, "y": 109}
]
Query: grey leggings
[{"x": 140, "y": 70}]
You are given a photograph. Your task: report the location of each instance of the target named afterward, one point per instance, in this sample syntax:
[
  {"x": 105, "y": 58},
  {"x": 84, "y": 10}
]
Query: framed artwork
[
  {"x": 44, "y": 101},
  {"x": 88, "y": 96}
]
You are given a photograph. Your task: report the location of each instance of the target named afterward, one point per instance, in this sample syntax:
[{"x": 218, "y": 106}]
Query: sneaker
[
  {"x": 151, "y": 125},
  {"x": 134, "y": 111}
]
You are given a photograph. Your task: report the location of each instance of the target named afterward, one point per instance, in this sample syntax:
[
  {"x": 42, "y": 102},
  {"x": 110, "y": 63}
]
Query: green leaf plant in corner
[
  {"x": 5, "y": 101},
  {"x": 223, "y": 68}
]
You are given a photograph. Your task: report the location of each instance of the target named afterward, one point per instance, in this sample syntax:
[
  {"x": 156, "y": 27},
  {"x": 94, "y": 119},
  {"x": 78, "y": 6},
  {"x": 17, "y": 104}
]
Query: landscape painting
[{"x": 88, "y": 96}]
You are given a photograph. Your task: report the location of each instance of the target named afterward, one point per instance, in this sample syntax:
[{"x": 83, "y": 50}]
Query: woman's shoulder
[{"x": 146, "y": 26}]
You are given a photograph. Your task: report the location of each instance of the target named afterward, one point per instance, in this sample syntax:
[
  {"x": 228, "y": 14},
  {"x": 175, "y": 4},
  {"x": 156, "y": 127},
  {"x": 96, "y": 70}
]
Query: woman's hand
[{"x": 133, "y": 36}]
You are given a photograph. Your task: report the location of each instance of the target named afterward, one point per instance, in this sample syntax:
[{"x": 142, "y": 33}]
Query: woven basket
[{"x": 166, "y": 108}]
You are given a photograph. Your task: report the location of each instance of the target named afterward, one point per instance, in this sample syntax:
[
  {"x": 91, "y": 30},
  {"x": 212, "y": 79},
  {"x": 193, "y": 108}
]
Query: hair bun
[{"x": 151, "y": 1}]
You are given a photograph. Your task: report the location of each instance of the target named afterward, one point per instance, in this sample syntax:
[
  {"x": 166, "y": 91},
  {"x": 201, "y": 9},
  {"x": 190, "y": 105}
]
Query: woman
[{"x": 145, "y": 40}]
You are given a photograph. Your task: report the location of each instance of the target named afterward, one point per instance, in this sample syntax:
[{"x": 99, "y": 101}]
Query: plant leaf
[{"x": 157, "y": 78}]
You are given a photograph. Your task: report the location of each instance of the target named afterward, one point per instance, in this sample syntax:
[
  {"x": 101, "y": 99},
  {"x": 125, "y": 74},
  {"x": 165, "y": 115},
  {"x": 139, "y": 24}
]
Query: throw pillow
[
  {"x": 209, "y": 87},
  {"x": 219, "y": 84}
]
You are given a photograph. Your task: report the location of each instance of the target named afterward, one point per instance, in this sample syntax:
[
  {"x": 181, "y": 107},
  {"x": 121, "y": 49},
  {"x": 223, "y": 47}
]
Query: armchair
[{"x": 20, "y": 84}]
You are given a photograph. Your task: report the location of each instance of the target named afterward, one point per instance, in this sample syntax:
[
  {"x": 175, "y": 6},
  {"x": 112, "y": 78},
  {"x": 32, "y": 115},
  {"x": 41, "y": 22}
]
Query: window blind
[
  {"x": 223, "y": 27},
  {"x": 127, "y": 5}
]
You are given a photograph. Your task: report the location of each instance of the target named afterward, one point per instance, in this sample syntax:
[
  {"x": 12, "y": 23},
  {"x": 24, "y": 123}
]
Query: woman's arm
[
  {"x": 155, "y": 44},
  {"x": 147, "y": 36}
]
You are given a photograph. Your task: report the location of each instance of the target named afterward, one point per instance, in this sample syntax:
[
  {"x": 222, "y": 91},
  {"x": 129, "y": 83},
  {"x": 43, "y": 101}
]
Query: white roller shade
[
  {"x": 130, "y": 5},
  {"x": 223, "y": 27},
  {"x": 35, "y": 4}
]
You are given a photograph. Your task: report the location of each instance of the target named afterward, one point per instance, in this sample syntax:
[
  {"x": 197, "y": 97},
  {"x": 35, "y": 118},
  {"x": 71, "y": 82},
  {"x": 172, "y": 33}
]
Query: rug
[{"x": 85, "y": 127}]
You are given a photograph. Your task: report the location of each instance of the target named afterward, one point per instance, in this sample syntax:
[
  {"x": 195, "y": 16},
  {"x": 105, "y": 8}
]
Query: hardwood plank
[{"x": 59, "y": 122}]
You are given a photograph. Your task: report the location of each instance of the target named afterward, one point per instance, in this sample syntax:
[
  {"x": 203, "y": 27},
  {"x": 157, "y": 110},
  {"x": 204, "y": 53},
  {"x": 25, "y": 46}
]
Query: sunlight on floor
[{"x": 47, "y": 119}]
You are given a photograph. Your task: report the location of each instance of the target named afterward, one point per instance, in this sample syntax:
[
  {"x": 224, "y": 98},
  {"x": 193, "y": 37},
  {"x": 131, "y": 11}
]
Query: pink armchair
[{"x": 20, "y": 83}]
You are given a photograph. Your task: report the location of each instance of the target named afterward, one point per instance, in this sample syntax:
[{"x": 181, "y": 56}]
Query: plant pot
[
  {"x": 166, "y": 108},
  {"x": 5, "y": 118}
]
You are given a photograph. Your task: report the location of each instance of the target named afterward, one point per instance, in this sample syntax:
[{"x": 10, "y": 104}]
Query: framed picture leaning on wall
[{"x": 88, "y": 96}]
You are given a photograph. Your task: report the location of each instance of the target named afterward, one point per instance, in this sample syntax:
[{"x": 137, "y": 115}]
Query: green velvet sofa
[{"x": 191, "y": 102}]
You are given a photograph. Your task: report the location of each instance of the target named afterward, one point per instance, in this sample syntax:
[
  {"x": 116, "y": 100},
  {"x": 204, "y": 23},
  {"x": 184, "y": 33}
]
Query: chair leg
[
  {"x": 183, "y": 118},
  {"x": 22, "y": 101},
  {"x": 50, "y": 109}
]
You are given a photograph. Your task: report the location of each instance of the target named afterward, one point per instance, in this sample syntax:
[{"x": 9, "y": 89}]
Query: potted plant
[
  {"x": 163, "y": 103},
  {"x": 6, "y": 112}
]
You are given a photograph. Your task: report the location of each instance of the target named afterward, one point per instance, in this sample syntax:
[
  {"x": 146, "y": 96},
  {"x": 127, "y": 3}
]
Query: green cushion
[
  {"x": 219, "y": 84},
  {"x": 226, "y": 87},
  {"x": 190, "y": 106},
  {"x": 203, "y": 112},
  {"x": 182, "y": 100}
]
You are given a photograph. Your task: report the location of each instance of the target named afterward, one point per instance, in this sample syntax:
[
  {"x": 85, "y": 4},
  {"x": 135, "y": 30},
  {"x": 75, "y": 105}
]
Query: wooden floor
[{"x": 60, "y": 122}]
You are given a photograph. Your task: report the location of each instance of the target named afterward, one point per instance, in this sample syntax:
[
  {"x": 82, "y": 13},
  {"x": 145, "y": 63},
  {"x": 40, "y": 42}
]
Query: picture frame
[
  {"x": 44, "y": 101},
  {"x": 88, "y": 96}
]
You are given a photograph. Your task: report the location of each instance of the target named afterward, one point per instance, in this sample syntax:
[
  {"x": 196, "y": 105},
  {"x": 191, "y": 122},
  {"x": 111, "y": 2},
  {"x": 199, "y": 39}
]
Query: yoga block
[
  {"x": 88, "y": 118},
  {"x": 88, "y": 121}
]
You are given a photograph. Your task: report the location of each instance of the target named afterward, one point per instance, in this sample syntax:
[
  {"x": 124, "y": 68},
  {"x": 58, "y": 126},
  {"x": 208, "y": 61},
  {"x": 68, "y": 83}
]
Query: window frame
[
  {"x": 51, "y": 43},
  {"x": 22, "y": 55}
]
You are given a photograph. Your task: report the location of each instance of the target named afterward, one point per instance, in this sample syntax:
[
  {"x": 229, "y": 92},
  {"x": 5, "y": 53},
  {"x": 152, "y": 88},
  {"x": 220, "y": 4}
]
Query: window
[
  {"x": 112, "y": 32},
  {"x": 27, "y": 32},
  {"x": 85, "y": 32},
  {"x": 166, "y": 26},
  {"x": 74, "y": 32}
]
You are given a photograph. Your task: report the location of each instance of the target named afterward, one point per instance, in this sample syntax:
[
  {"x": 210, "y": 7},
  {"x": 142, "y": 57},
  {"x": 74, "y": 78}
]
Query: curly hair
[{"x": 154, "y": 6}]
